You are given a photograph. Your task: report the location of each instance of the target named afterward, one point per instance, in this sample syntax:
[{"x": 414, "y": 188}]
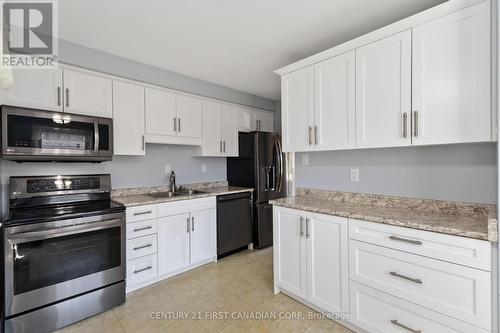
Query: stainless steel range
[{"x": 64, "y": 248}]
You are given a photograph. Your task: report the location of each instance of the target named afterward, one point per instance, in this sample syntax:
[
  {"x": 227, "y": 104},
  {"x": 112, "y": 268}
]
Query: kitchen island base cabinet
[{"x": 311, "y": 258}]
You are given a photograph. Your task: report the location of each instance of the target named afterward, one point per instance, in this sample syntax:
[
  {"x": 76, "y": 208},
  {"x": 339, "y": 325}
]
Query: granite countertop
[
  {"x": 139, "y": 196},
  {"x": 461, "y": 219}
]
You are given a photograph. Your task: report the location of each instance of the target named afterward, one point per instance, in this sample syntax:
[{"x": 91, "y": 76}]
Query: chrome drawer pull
[
  {"x": 143, "y": 213},
  {"x": 406, "y": 240},
  {"x": 142, "y": 247},
  {"x": 406, "y": 277},
  {"x": 145, "y": 228},
  {"x": 409, "y": 329},
  {"x": 143, "y": 269}
]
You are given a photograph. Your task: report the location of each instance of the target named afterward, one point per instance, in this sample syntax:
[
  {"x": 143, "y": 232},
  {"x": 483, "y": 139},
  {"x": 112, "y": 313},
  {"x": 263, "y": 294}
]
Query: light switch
[
  {"x": 203, "y": 168},
  {"x": 305, "y": 159},
  {"x": 355, "y": 175}
]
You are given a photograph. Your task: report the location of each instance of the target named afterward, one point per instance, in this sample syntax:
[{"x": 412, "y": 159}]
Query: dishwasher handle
[{"x": 235, "y": 196}]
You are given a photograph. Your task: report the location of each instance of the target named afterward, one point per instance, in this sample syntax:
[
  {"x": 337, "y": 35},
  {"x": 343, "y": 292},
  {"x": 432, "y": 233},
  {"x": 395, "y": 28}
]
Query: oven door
[
  {"x": 29, "y": 134},
  {"x": 56, "y": 262}
]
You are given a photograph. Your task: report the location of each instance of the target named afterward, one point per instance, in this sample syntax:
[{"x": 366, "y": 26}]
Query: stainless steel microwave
[{"x": 38, "y": 135}]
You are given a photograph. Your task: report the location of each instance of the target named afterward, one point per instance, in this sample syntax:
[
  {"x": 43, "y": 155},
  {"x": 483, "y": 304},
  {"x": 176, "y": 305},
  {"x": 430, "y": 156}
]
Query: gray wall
[
  {"x": 457, "y": 173},
  {"x": 75, "y": 54},
  {"x": 128, "y": 171}
]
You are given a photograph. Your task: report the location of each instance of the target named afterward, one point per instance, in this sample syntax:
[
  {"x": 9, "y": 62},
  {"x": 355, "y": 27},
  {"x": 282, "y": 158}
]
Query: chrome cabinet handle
[
  {"x": 179, "y": 124},
  {"x": 143, "y": 213},
  {"x": 256, "y": 125},
  {"x": 143, "y": 143},
  {"x": 307, "y": 228},
  {"x": 301, "y": 226},
  {"x": 67, "y": 97},
  {"x": 405, "y": 240},
  {"x": 315, "y": 135},
  {"x": 58, "y": 96},
  {"x": 144, "y": 228},
  {"x": 404, "y": 277},
  {"x": 405, "y": 125},
  {"x": 142, "y": 269},
  {"x": 224, "y": 146},
  {"x": 175, "y": 124},
  {"x": 142, "y": 247},
  {"x": 310, "y": 135},
  {"x": 220, "y": 148},
  {"x": 409, "y": 329},
  {"x": 187, "y": 225},
  {"x": 192, "y": 223},
  {"x": 415, "y": 123}
]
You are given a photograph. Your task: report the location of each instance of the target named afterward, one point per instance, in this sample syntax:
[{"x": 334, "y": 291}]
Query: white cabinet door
[
  {"x": 451, "y": 78},
  {"x": 88, "y": 94},
  {"x": 335, "y": 99},
  {"x": 383, "y": 92},
  {"x": 264, "y": 121},
  {"x": 173, "y": 243},
  {"x": 212, "y": 141},
  {"x": 327, "y": 262},
  {"x": 188, "y": 116},
  {"x": 297, "y": 93},
  {"x": 203, "y": 245},
  {"x": 160, "y": 112},
  {"x": 36, "y": 88},
  {"x": 290, "y": 250},
  {"x": 246, "y": 120},
  {"x": 229, "y": 130},
  {"x": 128, "y": 118}
]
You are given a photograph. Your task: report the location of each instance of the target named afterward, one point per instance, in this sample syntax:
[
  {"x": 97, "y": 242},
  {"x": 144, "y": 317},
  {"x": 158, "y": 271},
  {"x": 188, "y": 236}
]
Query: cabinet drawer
[
  {"x": 142, "y": 246},
  {"x": 141, "y": 270},
  {"x": 392, "y": 312},
  {"x": 457, "y": 291},
  {"x": 142, "y": 228},
  {"x": 459, "y": 250},
  {"x": 140, "y": 213},
  {"x": 185, "y": 206}
]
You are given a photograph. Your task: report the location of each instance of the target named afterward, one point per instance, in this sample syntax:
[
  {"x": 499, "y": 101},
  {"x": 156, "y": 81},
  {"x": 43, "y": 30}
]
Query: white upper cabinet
[
  {"x": 229, "y": 131},
  {"x": 297, "y": 96},
  {"x": 335, "y": 98},
  {"x": 35, "y": 88},
  {"x": 87, "y": 93},
  {"x": 220, "y": 129},
  {"x": 383, "y": 92},
  {"x": 160, "y": 112},
  {"x": 128, "y": 118},
  {"x": 246, "y": 120},
  {"x": 451, "y": 78},
  {"x": 188, "y": 116},
  {"x": 264, "y": 121}
]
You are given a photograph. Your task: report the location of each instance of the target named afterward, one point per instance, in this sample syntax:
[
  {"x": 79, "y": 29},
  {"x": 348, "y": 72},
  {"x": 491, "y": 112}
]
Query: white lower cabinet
[
  {"x": 169, "y": 238},
  {"x": 389, "y": 279},
  {"x": 311, "y": 258}
]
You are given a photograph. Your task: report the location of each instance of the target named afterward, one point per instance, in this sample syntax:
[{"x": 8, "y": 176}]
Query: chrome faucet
[{"x": 172, "y": 182}]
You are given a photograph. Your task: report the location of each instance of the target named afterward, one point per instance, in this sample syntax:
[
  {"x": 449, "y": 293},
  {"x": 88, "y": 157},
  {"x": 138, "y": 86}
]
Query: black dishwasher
[{"x": 234, "y": 222}]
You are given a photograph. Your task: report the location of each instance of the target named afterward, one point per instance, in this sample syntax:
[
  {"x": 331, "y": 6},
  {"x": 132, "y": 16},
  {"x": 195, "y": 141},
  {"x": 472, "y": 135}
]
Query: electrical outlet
[
  {"x": 355, "y": 175},
  {"x": 305, "y": 159},
  {"x": 203, "y": 168},
  {"x": 168, "y": 169}
]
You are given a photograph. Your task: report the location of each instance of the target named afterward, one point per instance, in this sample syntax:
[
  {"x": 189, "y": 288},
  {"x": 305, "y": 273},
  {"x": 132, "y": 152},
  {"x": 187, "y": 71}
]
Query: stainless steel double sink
[{"x": 176, "y": 193}]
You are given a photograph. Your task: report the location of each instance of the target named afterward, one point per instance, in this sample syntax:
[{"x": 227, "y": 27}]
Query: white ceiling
[{"x": 235, "y": 43}]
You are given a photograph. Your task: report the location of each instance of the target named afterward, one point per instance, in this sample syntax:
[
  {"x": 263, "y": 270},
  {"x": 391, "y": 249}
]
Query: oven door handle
[{"x": 29, "y": 236}]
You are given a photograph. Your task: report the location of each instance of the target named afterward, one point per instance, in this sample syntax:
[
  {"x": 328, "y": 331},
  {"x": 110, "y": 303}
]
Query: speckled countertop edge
[
  {"x": 139, "y": 196},
  {"x": 461, "y": 219}
]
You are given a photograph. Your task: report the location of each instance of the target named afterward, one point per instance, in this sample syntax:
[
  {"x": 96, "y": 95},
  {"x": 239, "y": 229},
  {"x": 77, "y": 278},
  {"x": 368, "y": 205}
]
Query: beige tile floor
[{"x": 239, "y": 284}]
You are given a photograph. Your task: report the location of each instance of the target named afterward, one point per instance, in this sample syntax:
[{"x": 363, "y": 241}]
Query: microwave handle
[
  {"x": 96, "y": 136},
  {"x": 23, "y": 237}
]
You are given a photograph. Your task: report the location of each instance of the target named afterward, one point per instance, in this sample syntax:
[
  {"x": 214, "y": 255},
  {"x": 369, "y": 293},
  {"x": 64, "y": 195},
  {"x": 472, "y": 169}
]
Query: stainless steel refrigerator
[{"x": 260, "y": 165}]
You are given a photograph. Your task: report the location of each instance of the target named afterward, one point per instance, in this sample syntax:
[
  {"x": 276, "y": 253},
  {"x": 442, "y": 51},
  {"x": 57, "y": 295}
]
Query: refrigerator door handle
[{"x": 279, "y": 163}]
